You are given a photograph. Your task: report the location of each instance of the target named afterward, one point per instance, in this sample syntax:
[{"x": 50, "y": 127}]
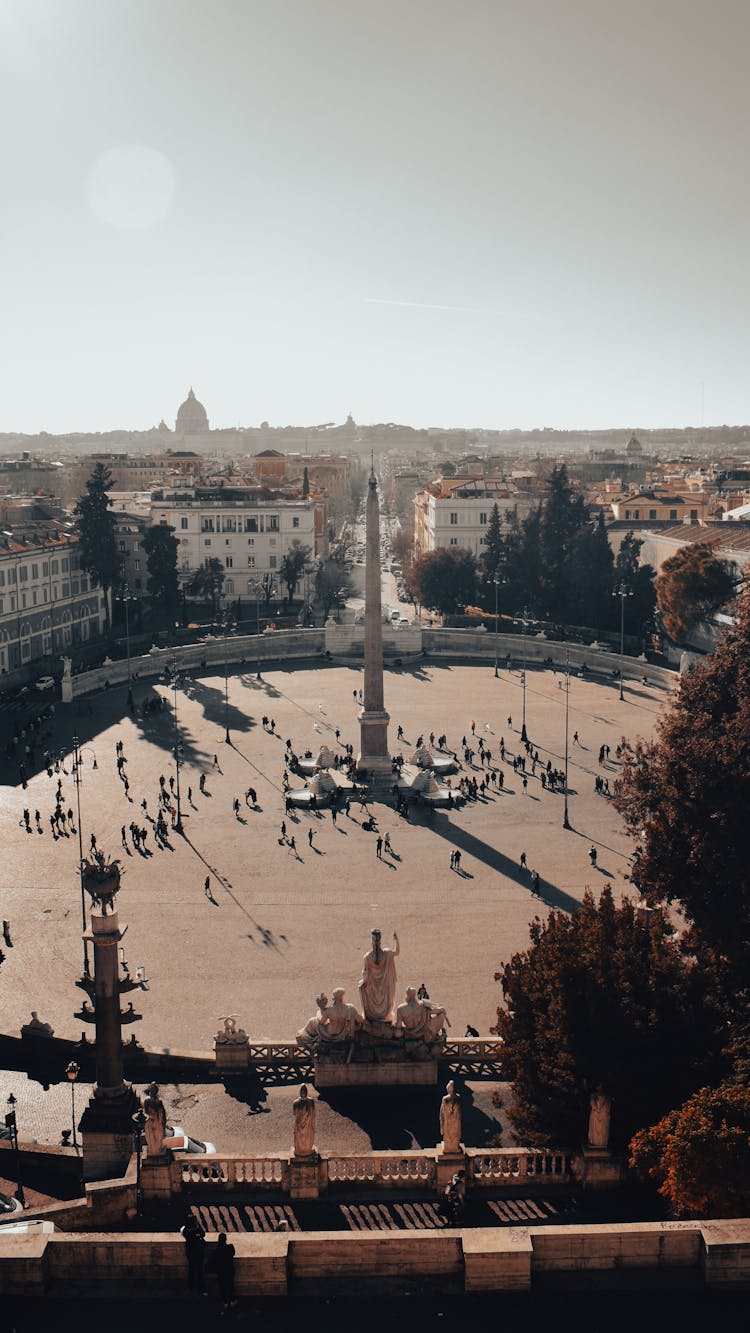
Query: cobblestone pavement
[{"x": 282, "y": 927}]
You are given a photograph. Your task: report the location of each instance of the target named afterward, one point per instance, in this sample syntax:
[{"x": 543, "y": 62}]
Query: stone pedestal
[
  {"x": 377, "y": 1056},
  {"x": 305, "y": 1177},
  {"x": 397, "y": 1073},
  {"x": 156, "y": 1178},
  {"x": 232, "y": 1057},
  {"x": 107, "y": 1134},
  {"x": 66, "y": 690},
  {"x": 601, "y": 1170},
  {"x": 448, "y": 1163}
]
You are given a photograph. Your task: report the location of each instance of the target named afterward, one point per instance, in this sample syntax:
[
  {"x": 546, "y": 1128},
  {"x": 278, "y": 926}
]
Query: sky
[{"x": 498, "y": 213}]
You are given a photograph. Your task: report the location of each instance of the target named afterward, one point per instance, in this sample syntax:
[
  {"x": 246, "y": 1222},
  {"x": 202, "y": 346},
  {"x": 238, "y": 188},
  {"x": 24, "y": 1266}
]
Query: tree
[
  {"x": 564, "y": 514},
  {"x": 305, "y": 484},
  {"x": 493, "y": 556},
  {"x": 686, "y": 799},
  {"x": 699, "y": 1155},
  {"x": 96, "y": 528},
  {"x": 592, "y": 565},
  {"x": 207, "y": 582},
  {"x": 601, "y": 998},
  {"x": 330, "y": 587},
  {"x": 639, "y": 607},
  {"x": 293, "y": 566},
  {"x": 402, "y": 545},
  {"x": 161, "y": 546},
  {"x": 445, "y": 579},
  {"x": 692, "y": 584}
]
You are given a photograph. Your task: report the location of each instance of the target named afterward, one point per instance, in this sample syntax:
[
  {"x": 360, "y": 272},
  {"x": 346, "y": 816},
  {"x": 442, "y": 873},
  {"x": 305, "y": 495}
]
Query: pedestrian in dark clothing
[
  {"x": 379, "y": 848},
  {"x": 223, "y": 1264},
  {"x": 195, "y": 1250}
]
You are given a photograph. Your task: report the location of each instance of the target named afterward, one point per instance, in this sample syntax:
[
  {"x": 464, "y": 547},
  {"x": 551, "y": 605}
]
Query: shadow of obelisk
[{"x": 374, "y": 760}]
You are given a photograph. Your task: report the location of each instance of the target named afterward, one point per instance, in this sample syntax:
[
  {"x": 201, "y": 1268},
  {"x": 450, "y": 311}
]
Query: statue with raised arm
[
  {"x": 156, "y": 1124},
  {"x": 377, "y": 985},
  {"x": 450, "y": 1119},
  {"x": 420, "y": 1019},
  {"x": 303, "y": 1108}
]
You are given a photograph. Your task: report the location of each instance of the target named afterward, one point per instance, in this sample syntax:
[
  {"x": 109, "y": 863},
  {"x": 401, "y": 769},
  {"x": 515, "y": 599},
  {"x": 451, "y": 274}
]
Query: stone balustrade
[
  {"x": 217, "y": 1171},
  {"x": 408, "y": 1170},
  {"x": 491, "y": 1167}
]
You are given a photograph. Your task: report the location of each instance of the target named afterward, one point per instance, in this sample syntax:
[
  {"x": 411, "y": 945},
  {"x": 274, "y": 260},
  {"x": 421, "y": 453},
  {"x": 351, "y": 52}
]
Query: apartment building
[
  {"x": 456, "y": 512},
  {"x": 47, "y": 603}
]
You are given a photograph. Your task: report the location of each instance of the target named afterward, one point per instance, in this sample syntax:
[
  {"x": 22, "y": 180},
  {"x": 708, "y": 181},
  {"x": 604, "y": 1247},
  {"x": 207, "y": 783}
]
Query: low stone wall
[{"x": 714, "y": 1254}]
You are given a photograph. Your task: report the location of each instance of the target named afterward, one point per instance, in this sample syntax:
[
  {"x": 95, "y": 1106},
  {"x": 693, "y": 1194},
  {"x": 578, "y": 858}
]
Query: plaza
[{"x": 284, "y": 925}]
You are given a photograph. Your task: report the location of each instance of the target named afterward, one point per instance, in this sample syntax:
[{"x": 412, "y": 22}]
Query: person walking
[
  {"x": 379, "y": 848},
  {"x": 387, "y": 845},
  {"x": 236, "y": 807},
  {"x": 207, "y": 888},
  {"x": 310, "y": 837},
  {"x": 576, "y": 741},
  {"x": 523, "y": 860},
  {"x": 592, "y": 855},
  {"x": 195, "y": 1251}
]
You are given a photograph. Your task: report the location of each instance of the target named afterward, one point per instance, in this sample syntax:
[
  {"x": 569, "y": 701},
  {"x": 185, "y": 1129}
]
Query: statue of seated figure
[
  {"x": 332, "y": 1024},
  {"x": 420, "y": 1020}
]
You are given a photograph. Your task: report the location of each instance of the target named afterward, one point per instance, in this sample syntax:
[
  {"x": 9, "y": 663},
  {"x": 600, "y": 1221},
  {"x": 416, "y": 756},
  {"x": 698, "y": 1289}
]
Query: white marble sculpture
[
  {"x": 304, "y": 1124},
  {"x": 377, "y": 985},
  {"x": 600, "y": 1108},
  {"x": 450, "y": 1119},
  {"x": 420, "y": 1019},
  {"x": 230, "y": 1034},
  {"x": 312, "y": 1032}
]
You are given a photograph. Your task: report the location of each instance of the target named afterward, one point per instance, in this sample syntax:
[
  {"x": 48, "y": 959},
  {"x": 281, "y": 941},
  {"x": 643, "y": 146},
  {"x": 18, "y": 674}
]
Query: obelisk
[{"x": 373, "y": 719}]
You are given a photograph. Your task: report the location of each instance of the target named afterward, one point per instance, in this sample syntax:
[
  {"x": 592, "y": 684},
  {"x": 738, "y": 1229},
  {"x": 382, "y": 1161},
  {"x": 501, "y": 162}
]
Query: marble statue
[
  {"x": 450, "y": 1119},
  {"x": 67, "y": 667},
  {"x": 420, "y": 1019},
  {"x": 156, "y": 1124},
  {"x": 377, "y": 985},
  {"x": 304, "y": 1124},
  {"x": 313, "y": 1030},
  {"x": 230, "y": 1034},
  {"x": 600, "y": 1107}
]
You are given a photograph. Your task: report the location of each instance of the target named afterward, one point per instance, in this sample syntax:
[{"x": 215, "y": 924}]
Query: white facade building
[
  {"x": 47, "y": 603},
  {"x": 456, "y": 512},
  {"x": 249, "y": 535}
]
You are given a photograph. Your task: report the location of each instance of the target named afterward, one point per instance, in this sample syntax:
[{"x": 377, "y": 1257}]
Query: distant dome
[
  {"x": 192, "y": 417},
  {"x": 633, "y": 448}
]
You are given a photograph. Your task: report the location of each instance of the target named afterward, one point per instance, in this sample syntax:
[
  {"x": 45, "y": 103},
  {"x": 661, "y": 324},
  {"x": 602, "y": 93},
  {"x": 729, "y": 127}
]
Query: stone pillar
[
  {"x": 308, "y": 1176},
  {"x": 106, "y": 1124},
  {"x": 373, "y": 719}
]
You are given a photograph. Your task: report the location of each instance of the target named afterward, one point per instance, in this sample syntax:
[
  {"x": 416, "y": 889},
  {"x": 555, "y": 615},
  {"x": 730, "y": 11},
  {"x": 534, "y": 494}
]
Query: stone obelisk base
[{"x": 374, "y": 756}]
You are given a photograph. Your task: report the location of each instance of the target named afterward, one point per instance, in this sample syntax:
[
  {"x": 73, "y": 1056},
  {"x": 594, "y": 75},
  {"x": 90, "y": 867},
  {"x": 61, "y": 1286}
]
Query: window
[
  {"x": 24, "y": 574},
  {"x": 45, "y": 567},
  {"x": 673, "y": 515},
  {"x": 693, "y": 515},
  {"x": 652, "y": 513},
  {"x": 295, "y": 521},
  {"x": 65, "y": 564},
  {"x": 11, "y": 575},
  {"x": 627, "y": 513},
  {"x": 272, "y": 523},
  {"x": 227, "y": 541},
  {"x": 454, "y": 519},
  {"x": 228, "y": 562},
  {"x": 229, "y": 587},
  {"x": 207, "y": 541},
  {"x": 33, "y": 596},
  {"x": 251, "y": 525},
  {"x": 636, "y": 513},
  {"x": 251, "y": 562},
  {"x": 207, "y": 525},
  {"x": 251, "y": 541},
  {"x": 136, "y": 564},
  {"x": 23, "y": 601},
  {"x": 66, "y": 588},
  {"x": 2, "y": 578},
  {"x": 35, "y": 571},
  {"x": 55, "y": 567},
  {"x": 84, "y": 585},
  {"x": 122, "y": 546},
  {"x": 454, "y": 541},
  {"x": 272, "y": 562},
  {"x": 183, "y": 522},
  {"x": 482, "y": 519}
]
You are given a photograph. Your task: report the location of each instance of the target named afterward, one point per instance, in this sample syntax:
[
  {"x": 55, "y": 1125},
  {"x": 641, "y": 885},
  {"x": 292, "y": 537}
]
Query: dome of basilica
[{"x": 192, "y": 417}]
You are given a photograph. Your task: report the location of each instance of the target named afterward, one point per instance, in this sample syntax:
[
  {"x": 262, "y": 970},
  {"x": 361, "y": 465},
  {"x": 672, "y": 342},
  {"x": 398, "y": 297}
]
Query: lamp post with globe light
[{"x": 71, "y": 1073}]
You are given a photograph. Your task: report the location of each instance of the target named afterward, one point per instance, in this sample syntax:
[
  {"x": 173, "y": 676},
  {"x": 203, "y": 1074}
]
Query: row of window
[
  {"x": 236, "y": 523},
  {"x": 9, "y": 574},
  {"x": 65, "y": 590},
  {"x": 454, "y": 519},
  {"x": 652, "y": 513}
]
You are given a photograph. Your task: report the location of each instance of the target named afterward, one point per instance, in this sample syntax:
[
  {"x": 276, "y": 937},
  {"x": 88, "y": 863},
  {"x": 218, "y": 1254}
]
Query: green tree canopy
[
  {"x": 444, "y": 579},
  {"x": 207, "y": 582},
  {"x": 639, "y": 607},
  {"x": 293, "y": 566},
  {"x": 604, "y": 999},
  {"x": 692, "y": 584},
  {"x": 161, "y": 546},
  {"x": 96, "y": 527},
  {"x": 564, "y": 515},
  {"x": 686, "y": 798}
]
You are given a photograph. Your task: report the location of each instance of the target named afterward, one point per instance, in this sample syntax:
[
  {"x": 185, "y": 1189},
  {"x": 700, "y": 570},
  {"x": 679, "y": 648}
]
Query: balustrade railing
[
  {"x": 497, "y": 1166},
  {"x": 472, "y": 1049},
  {"x": 386, "y": 1170},
  {"x": 278, "y": 1052},
  {"x": 233, "y": 1172}
]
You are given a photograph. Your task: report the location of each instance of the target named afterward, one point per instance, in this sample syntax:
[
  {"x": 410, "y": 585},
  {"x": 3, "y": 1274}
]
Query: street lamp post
[
  {"x": 227, "y": 627},
  {"x": 178, "y": 823},
  {"x": 11, "y": 1125},
  {"x": 496, "y": 582},
  {"x": 622, "y": 591},
  {"x": 566, "y": 821},
  {"x": 77, "y": 760},
  {"x": 139, "y": 1120},
  {"x": 524, "y": 736},
  {"x": 71, "y": 1073}
]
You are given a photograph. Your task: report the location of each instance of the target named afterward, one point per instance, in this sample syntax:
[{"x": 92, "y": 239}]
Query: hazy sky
[{"x": 456, "y": 212}]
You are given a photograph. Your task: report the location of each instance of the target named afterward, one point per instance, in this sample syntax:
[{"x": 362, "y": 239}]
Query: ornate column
[
  {"x": 373, "y": 719},
  {"x": 106, "y": 1124}
]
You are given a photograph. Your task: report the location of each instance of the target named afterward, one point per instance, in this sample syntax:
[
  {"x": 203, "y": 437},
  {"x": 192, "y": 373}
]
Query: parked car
[
  {"x": 45, "y": 683},
  {"x": 179, "y": 1141},
  {"x": 9, "y": 1204}
]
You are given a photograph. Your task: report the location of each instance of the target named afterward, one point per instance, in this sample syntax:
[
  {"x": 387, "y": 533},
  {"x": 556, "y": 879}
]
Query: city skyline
[{"x": 495, "y": 215}]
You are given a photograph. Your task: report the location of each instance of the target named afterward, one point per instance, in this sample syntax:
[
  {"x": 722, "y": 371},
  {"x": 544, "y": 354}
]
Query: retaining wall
[{"x": 711, "y": 1254}]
